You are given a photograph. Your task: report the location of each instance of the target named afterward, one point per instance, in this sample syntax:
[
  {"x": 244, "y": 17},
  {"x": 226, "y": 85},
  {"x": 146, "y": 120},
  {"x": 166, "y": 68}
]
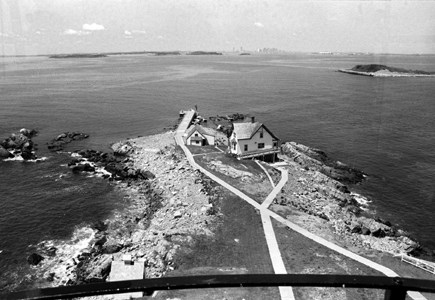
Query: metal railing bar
[{"x": 393, "y": 286}]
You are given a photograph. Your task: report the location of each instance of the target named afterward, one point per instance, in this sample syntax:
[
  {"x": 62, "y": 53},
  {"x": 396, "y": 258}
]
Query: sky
[{"x": 30, "y": 27}]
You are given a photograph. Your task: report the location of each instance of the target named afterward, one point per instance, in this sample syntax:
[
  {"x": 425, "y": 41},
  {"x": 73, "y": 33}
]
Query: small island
[
  {"x": 375, "y": 70},
  {"x": 78, "y": 55},
  {"x": 204, "y": 53}
]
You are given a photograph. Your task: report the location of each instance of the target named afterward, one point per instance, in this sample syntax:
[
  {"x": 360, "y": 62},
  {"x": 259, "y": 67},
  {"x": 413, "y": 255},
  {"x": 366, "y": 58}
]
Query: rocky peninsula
[
  {"x": 375, "y": 70},
  {"x": 172, "y": 208}
]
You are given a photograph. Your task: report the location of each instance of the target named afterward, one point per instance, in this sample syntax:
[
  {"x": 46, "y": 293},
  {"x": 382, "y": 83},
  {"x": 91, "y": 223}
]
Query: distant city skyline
[{"x": 29, "y": 27}]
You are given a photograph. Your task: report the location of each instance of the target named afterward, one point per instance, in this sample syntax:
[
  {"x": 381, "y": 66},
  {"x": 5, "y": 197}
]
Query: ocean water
[{"x": 383, "y": 126}]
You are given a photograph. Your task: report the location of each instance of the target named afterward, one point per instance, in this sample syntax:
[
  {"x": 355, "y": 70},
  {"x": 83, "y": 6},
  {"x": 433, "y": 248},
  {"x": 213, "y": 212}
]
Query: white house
[
  {"x": 253, "y": 139},
  {"x": 198, "y": 135}
]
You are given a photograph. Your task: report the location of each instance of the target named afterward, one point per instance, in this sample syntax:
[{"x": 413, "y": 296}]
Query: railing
[
  {"x": 419, "y": 263},
  {"x": 264, "y": 151},
  {"x": 395, "y": 288}
]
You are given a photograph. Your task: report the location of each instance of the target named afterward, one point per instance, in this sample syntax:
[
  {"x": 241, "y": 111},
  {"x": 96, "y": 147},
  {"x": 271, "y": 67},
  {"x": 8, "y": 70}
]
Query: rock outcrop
[
  {"x": 34, "y": 259},
  {"x": 19, "y": 144},
  {"x": 59, "y": 143},
  {"x": 115, "y": 167},
  {"x": 315, "y": 159}
]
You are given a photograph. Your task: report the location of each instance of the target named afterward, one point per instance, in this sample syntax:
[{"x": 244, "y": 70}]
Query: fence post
[{"x": 396, "y": 293}]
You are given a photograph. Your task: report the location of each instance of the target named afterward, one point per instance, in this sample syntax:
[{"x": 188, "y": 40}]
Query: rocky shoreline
[
  {"x": 165, "y": 208},
  {"x": 317, "y": 187}
]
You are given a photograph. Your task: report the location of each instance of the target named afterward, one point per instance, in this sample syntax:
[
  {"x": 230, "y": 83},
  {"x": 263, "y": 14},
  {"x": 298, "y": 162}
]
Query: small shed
[
  {"x": 126, "y": 269},
  {"x": 198, "y": 135}
]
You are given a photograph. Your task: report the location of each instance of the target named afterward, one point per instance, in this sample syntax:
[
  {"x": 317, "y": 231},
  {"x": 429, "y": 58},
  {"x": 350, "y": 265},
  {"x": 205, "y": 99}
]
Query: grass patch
[
  {"x": 274, "y": 173},
  {"x": 244, "y": 175},
  {"x": 201, "y": 149},
  {"x": 238, "y": 247},
  {"x": 302, "y": 255}
]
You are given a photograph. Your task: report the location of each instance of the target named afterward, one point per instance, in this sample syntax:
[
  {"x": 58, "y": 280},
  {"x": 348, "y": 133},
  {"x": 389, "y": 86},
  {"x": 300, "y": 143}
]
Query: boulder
[
  {"x": 111, "y": 247},
  {"x": 34, "y": 259},
  {"x": 89, "y": 168},
  {"x": 145, "y": 174},
  {"x": 379, "y": 233},
  {"x": 51, "y": 251},
  {"x": 28, "y": 133},
  {"x": 122, "y": 149},
  {"x": 27, "y": 154},
  {"x": 377, "y": 229},
  {"x": 99, "y": 226},
  {"x": 100, "y": 269},
  {"x": 78, "y": 168},
  {"x": 10, "y": 144},
  {"x": 5, "y": 153},
  {"x": 100, "y": 241},
  {"x": 365, "y": 230},
  {"x": 61, "y": 136},
  {"x": 355, "y": 228}
]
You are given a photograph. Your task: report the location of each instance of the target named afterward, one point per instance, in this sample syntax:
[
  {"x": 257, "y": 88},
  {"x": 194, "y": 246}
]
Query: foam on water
[
  {"x": 362, "y": 201},
  {"x": 61, "y": 264},
  {"x": 19, "y": 158}
]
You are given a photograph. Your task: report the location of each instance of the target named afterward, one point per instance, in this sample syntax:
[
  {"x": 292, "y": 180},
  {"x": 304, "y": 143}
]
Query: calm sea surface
[{"x": 384, "y": 126}]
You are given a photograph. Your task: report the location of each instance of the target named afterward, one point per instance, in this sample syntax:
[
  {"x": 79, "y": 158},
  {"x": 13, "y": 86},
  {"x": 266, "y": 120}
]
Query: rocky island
[
  {"x": 204, "y": 53},
  {"x": 375, "y": 70}
]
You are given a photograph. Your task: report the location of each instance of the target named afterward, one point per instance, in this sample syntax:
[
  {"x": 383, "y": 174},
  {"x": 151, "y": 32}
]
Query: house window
[
  {"x": 234, "y": 146},
  {"x": 275, "y": 144},
  {"x": 261, "y": 135},
  {"x": 246, "y": 148},
  {"x": 260, "y": 145},
  {"x": 196, "y": 134},
  {"x": 197, "y": 142}
]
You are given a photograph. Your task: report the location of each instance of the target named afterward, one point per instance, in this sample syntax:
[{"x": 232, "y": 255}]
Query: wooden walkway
[{"x": 266, "y": 214}]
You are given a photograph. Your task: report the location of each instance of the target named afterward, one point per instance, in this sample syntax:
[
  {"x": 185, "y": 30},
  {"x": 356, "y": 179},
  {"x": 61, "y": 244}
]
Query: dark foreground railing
[{"x": 395, "y": 288}]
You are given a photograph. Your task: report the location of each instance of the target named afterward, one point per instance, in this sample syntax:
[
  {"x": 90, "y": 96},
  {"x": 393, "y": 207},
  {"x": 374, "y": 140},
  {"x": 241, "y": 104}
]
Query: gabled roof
[
  {"x": 201, "y": 129},
  {"x": 246, "y": 130}
]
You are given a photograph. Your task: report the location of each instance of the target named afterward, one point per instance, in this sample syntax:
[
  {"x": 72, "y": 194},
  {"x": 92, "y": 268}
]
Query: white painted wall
[
  {"x": 210, "y": 139},
  {"x": 253, "y": 142}
]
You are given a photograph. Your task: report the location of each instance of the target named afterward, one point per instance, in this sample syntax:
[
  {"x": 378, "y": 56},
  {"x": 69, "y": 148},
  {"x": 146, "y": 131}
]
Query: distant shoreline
[
  {"x": 78, "y": 55},
  {"x": 184, "y": 52}
]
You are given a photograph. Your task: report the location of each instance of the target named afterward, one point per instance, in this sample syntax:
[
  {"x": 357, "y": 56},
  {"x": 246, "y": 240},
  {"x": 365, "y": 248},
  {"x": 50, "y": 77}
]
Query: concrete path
[
  {"x": 276, "y": 190},
  {"x": 267, "y": 173},
  {"x": 219, "y": 149},
  {"x": 278, "y": 164},
  {"x": 275, "y": 255},
  {"x": 263, "y": 208}
]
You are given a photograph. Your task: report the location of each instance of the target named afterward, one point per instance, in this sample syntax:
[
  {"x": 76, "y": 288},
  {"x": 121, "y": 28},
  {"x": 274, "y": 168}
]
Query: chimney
[{"x": 253, "y": 119}]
